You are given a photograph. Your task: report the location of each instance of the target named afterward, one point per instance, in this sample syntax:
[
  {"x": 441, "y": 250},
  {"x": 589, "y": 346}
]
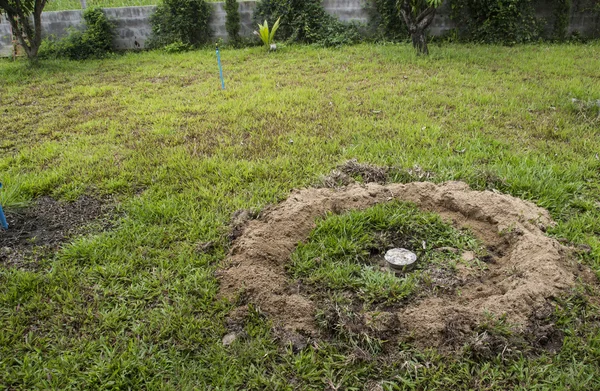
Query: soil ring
[{"x": 528, "y": 267}]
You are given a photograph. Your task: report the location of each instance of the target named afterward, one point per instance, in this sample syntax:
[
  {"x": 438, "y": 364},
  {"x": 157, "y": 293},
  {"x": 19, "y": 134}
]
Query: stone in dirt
[
  {"x": 511, "y": 228},
  {"x": 229, "y": 338}
]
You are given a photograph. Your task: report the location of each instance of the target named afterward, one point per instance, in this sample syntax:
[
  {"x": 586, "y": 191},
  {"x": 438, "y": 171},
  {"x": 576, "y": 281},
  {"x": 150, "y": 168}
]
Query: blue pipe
[
  {"x": 220, "y": 67},
  {"x": 3, "y": 222}
]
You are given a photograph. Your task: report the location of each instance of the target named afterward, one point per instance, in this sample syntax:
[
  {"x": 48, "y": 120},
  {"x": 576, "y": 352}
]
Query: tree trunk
[
  {"x": 419, "y": 41},
  {"x": 37, "y": 22},
  {"x": 417, "y": 24}
]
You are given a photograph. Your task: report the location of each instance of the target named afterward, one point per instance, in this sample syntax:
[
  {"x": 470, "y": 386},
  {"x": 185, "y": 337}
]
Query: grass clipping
[{"x": 511, "y": 229}]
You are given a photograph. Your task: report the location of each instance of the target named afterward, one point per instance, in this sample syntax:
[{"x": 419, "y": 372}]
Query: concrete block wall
[
  {"x": 217, "y": 22},
  {"x": 581, "y": 20},
  {"x": 442, "y": 24},
  {"x": 585, "y": 23},
  {"x": 59, "y": 23},
  {"x": 133, "y": 24},
  {"x": 347, "y": 10},
  {"x": 5, "y": 38}
]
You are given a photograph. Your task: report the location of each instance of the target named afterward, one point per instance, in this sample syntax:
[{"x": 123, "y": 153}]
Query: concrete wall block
[
  {"x": 127, "y": 13},
  {"x": 5, "y": 40},
  {"x": 58, "y": 23},
  {"x": 219, "y": 17},
  {"x": 347, "y": 10},
  {"x": 74, "y": 16},
  {"x": 132, "y": 26}
]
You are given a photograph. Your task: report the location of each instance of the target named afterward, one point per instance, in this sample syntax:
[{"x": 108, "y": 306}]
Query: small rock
[
  {"x": 229, "y": 338},
  {"x": 468, "y": 256}
]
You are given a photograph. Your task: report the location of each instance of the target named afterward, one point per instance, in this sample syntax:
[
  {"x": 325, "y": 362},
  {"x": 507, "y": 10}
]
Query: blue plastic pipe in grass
[
  {"x": 3, "y": 222},
  {"x": 220, "y": 67}
]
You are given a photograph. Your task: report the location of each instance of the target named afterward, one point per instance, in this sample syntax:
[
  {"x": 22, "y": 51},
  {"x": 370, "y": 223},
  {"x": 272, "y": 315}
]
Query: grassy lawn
[{"x": 135, "y": 306}]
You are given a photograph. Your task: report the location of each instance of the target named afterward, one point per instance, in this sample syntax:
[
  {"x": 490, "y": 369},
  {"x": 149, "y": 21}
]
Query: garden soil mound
[{"x": 526, "y": 268}]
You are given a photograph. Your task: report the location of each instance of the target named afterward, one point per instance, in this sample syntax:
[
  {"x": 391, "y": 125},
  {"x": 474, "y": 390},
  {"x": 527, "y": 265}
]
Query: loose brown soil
[
  {"x": 37, "y": 231},
  {"x": 525, "y": 267}
]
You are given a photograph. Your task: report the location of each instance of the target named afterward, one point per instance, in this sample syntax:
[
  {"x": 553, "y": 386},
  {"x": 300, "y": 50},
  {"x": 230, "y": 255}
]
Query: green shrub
[
  {"x": 94, "y": 42},
  {"x": 177, "y": 47},
  {"x": 496, "y": 21},
  {"x": 385, "y": 21},
  {"x": 180, "y": 21},
  {"x": 306, "y": 21},
  {"x": 232, "y": 22}
]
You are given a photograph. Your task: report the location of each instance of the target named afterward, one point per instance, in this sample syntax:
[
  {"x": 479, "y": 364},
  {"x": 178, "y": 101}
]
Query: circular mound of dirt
[{"x": 526, "y": 269}]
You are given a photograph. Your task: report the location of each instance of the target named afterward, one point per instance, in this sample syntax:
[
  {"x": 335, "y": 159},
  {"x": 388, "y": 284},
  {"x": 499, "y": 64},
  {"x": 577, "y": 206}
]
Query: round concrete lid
[{"x": 401, "y": 259}]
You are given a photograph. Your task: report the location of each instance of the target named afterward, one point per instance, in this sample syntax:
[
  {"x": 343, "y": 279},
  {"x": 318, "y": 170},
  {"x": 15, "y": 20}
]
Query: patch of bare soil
[
  {"x": 525, "y": 267},
  {"x": 38, "y": 230}
]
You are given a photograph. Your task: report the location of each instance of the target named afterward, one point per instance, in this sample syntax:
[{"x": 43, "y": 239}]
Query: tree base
[{"x": 419, "y": 41}]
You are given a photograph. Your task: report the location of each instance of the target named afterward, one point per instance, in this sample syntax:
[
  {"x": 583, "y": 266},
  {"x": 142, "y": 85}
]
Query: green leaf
[
  {"x": 275, "y": 27},
  {"x": 264, "y": 32}
]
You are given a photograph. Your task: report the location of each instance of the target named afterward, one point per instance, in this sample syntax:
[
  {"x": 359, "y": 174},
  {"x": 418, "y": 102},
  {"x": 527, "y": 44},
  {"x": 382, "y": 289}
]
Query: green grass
[
  {"x": 338, "y": 255},
  {"x": 136, "y": 307},
  {"x": 62, "y": 5}
]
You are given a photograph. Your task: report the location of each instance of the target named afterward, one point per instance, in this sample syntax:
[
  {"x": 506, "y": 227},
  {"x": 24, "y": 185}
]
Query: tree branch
[
  {"x": 406, "y": 13},
  {"x": 426, "y": 21},
  {"x": 7, "y": 7},
  {"x": 426, "y": 12}
]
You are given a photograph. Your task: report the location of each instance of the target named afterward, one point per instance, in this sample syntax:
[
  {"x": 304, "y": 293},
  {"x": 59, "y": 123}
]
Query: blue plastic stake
[
  {"x": 220, "y": 67},
  {"x": 3, "y": 222}
]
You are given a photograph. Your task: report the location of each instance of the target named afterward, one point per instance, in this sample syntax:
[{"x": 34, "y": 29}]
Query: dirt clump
[
  {"x": 336, "y": 179},
  {"x": 35, "y": 232},
  {"x": 525, "y": 268},
  {"x": 367, "y": 172},
  {"x": 239, "y": 220},
  {"x": 349, "y": 172}
]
